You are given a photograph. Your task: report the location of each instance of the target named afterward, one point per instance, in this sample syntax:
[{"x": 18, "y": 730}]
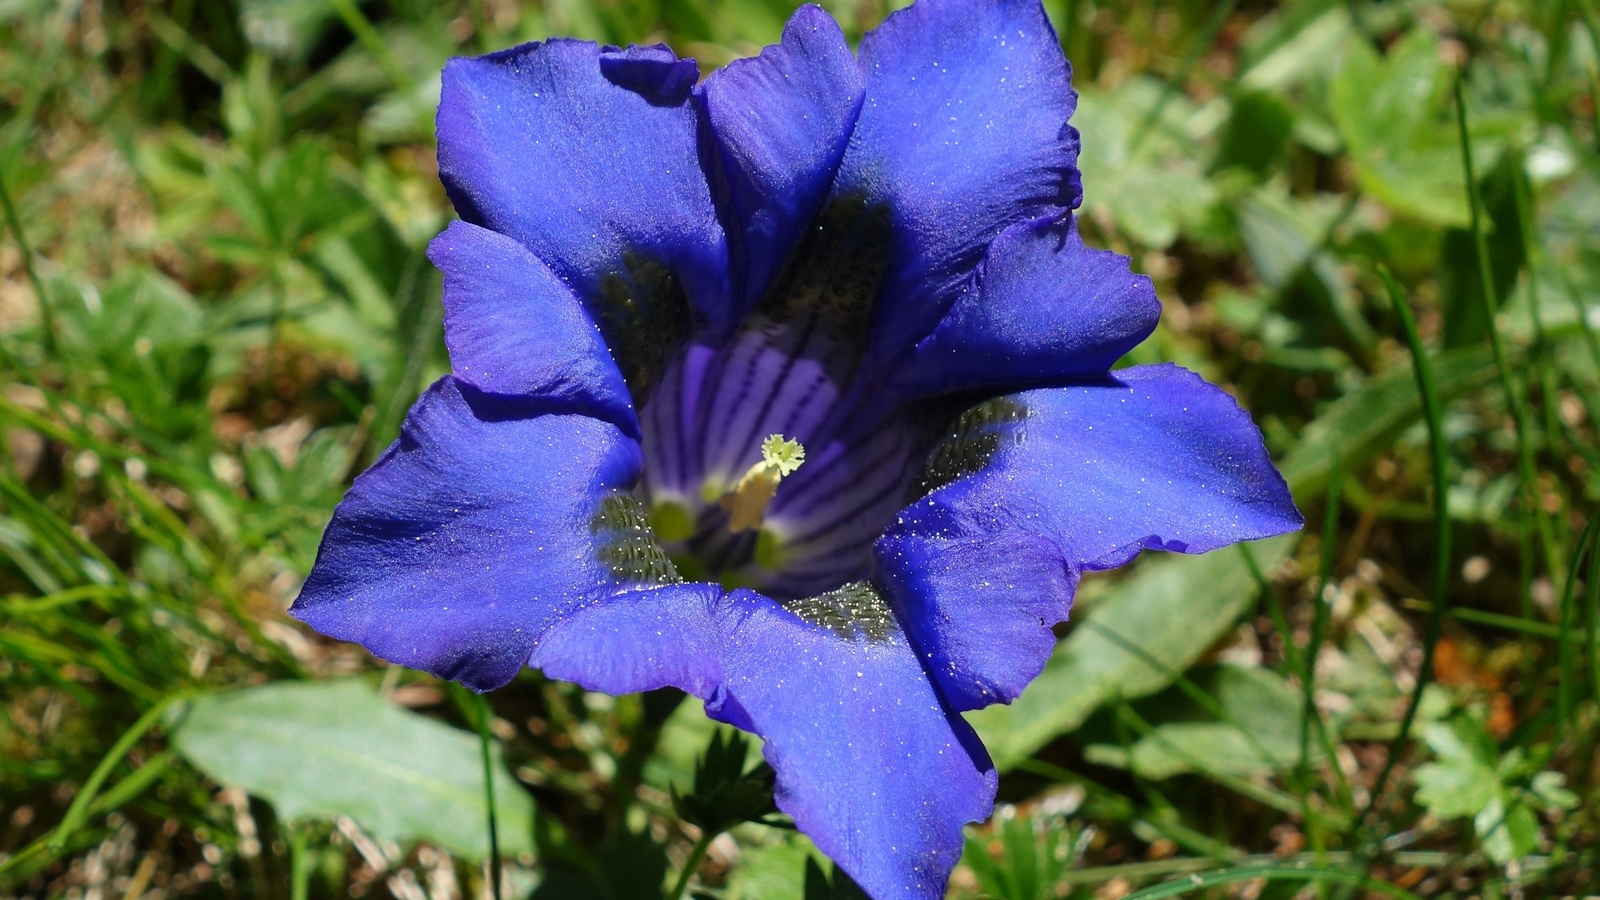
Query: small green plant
[{"x": 1502, "y": 793}]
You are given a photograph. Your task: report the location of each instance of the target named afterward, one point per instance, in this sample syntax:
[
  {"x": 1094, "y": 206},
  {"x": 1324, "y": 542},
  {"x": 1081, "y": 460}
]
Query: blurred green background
[{"x": 215, "y": 310}]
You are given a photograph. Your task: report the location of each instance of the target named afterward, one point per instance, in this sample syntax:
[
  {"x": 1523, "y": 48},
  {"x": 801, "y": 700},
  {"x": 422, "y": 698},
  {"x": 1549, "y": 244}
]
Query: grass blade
[
  {"x": 1434, "y": 417},
  {"x": 1527, "y": 473},
  {"x": 81, "y": 804},
  {"x": 47, "y": 324},
  {"x": 1271, "y": 872}
]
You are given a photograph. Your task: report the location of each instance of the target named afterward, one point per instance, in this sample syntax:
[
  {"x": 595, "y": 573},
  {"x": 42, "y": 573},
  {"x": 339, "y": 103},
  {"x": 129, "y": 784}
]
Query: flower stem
[
  {"x": 484, "y": 714},
  {"x": 692, "y": 864},
  {"x": 299, "y": 865}
]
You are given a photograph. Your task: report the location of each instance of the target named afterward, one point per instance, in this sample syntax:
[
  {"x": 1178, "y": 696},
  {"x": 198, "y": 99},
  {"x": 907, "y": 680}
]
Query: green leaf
[
  {"x": 288, "y": 29},
  {"x": 1387, "y": 110},
  {"x": 1146, "y": 178},
  {"x": 1172, "y": 607},
  {"x": 773, "y": 871},
  {"x": 629, "y": 866},
  {"x": 1466, "y": 320},
  {"x": 726, "y": 793},
  {"x": 1549, "y": 788},
  {"x": 1175, "y": 607},
  {"x": 1023, "y": 855},
  {"x": 318, "y": 750},
  {"x": 1461, "y": 781},
  {"x": 818, "y": 886},
  {"x": 1468, "y": 779},
  {"x": 1506, "y": 832},
  {"x": 1284, "y": 239},
  {"x": 1391, "y": 114},
  {"x": 1287, "y": 44},
  {"x": 1367, "y": 420},
  {"x": 1256, "y": 135},
  {"x": 677, "y": 753},
  {"x": 1261, "y": 731}
]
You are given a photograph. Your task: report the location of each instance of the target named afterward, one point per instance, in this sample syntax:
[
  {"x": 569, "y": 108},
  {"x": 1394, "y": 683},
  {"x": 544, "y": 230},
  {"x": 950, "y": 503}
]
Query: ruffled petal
[
  {"x": 654, "y": 72},
  {"x": 1157, "y": 459},
  {"x": 1042, "y": 485},
  {"x": 1043, "y": 308},
  {"x": 513, "y": 328},
  {"x": 963, "y": 133},
  {"x": 483, "y": 525},
  {"x": 588, "y": 156},
  {"x": 870, "y": 763},
  {"x": 780, "y": 123},
  {"x": 982, "y": 602}
]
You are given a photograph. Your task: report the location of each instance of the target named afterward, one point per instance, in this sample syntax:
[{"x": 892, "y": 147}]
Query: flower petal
[
  {"x": 980, "y": 602},
  {"x": 513, "y": 328},
  {"x": 780, "y": 122},
  {"x": 482, "y": 526},
  {"x": 870, "y": 763},
  {"x": 1061, "y": 481},
  {"x": 1044, "y": 308},
  {"x": 654, "y": 72},
  {"x": 588, "y": 156},
  {"x": 964, "y": 133},
  {"x": 638, "y": 641}
]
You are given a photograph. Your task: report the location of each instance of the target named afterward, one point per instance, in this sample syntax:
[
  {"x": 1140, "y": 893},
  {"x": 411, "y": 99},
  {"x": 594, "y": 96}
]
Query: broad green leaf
[
  {"x": 1388, "y": 113},
  {"x": 1172, "y": 608},
  {"x": 1391, "y": 113},
  {"x": 1366, "y": 420},
  {"x": 1261, "y": 731},
  {"x": 317, "y": 750}
]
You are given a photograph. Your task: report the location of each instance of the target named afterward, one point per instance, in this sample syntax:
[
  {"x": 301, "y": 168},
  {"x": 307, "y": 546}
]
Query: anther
[{"x": 748, "y": 500}]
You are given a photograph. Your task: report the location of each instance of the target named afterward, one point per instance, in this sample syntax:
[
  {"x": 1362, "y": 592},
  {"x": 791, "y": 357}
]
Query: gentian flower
[{"x": 790, "y": 388}]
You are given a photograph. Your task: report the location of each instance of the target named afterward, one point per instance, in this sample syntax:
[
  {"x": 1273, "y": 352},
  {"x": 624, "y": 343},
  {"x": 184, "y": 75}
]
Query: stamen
[{"x": 747, "y": 502}]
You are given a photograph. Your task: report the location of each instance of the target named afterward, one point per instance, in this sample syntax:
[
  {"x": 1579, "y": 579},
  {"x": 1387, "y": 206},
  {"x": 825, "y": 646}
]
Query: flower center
[
  {"x": 723, "y": 496},
  {"x": 720, "y": 506}
]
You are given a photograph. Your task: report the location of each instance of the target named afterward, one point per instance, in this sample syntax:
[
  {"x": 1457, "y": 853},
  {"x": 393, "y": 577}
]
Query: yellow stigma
[{"x": 748, "y": 500}]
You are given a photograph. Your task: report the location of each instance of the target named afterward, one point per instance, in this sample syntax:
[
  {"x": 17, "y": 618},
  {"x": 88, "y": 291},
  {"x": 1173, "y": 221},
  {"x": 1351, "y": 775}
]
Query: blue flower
[{"x": 789, "y": 388}]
